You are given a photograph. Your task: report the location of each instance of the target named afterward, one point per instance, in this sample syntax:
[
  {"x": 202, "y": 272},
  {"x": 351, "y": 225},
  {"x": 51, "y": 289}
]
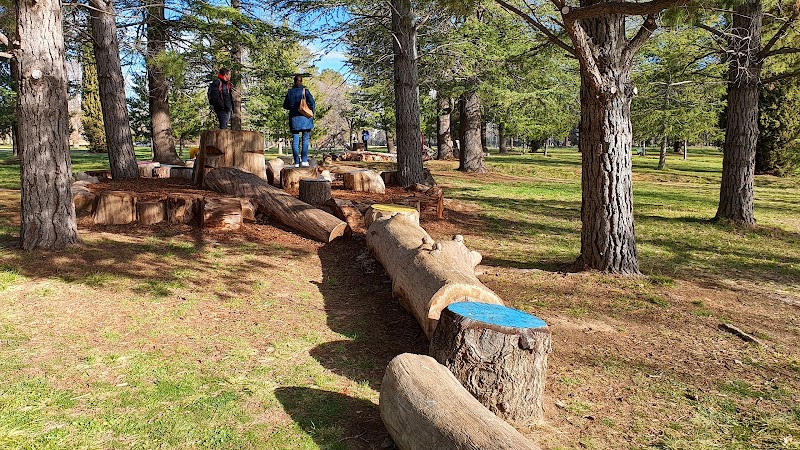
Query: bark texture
[
  {"x": 503, "y": 367},
  {"x": 315, "y": 191},
  {"x": 444, "y": 140},
  {"x": 112, "y": 91},
  {"x": 424, "y": 407},
  {"x": 501, "y": 134},
  {"x": 237, "y": 116},
  {"x": 426, "y": 275},
  {"x": 741, "y": 131},
  {"x": 471, "y": 155},
  {"x": 406, "y": 94},
  {"x": 608, "y": 242},
  {"x": 277, "y": 204},
  {"x": 115, "y": 208},
  {"x": 158, "y": 88},
  {"x": 47, "y": 209}
]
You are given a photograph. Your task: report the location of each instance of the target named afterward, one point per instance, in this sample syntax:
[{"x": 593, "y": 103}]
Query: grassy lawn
[{"x": 179, "y": 338}]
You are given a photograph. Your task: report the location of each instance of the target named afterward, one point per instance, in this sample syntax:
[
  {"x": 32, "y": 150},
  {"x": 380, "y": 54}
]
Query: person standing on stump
[
  {"x": 365, "y": 138},
  {"x": 219, "y": 97},
  {"x": 301, "y": 120}
]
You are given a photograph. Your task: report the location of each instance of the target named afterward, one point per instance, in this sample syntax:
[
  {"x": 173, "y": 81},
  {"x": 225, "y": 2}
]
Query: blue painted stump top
[{"x": 496, "y": 315}]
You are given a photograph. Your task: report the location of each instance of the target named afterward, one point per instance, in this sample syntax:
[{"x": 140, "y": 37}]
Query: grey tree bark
[
  {"x": 47, "y": 210},
  {"x": 112, "y": 91},
  {"x": 741, "y": 131},
  {"x": 471, "y": 156},
  {"x": 158, "y": 87},
  {"x": 444, "y": 140},
  {"x": 406, "y": 94}
]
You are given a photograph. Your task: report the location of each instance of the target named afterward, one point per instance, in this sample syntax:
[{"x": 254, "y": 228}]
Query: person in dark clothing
[
  {"x": 365, "y": 138},
  {"x": 299, "y": 124},
  {"x": 219, "y": 97}
]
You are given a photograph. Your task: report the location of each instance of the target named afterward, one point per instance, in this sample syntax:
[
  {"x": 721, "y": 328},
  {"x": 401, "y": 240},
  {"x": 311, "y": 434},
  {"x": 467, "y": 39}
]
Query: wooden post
[
  {"x": 274, "y": 167},
  {"x": 231, "y": 148},
  {"x": 499, "y": 355},
  {"x": 424, "y": 407},
  {"x": 315, "y": 191}
]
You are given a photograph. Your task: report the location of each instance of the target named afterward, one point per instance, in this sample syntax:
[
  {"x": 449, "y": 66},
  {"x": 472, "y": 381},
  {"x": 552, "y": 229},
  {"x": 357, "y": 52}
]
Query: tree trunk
[
  {"x": 484, "y": 137},
  {"x": 406, "y": 94},
  {"x": 425, "y": 407},
  {"x": 237, "y": 117},
  {"x": 121, "y": 157},
  {"x": 444, "y": 140},
  {"x": 471, "y": 156},
  {"x": 662, "y": 154},
  {"x": 158, "y": 88},
  {"x": 685, "y": 149},
  {"x": 608, "y": 241},
  {"x": 390, "y": 141},
  {"x": 501, "y": 133},
  {"x": 741, "y": 131},
  {"x": 47, "y": 209},
  {"x": 498, "y": 354},
  {"x": 315, "y": 191}
]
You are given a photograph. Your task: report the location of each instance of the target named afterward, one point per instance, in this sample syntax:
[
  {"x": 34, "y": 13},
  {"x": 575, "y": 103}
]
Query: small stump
[
  {"x": 273, "y": 170},
  {"x": 151, "y": 212},
  {"x": 222, "y": 213},
  {"x": 182, "y": 173},
  {"x": 291, "y": 176},
  {"x": 315, "y": 191},
  {"x": 115, "y": 208},
  {"x": 345, "y": 210},
  {"x": 184, "y": 209},
  {"x": 379, "y": 210},
  {"x": 499, "y": 355}
]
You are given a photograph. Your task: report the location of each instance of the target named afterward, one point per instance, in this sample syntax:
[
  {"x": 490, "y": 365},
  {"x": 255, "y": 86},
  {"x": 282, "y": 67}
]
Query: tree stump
[
  {"x": 498, "y": 354},
  {"x": 290, "y": 176},
  {"x": 345, "y": 210},
  {"x": 389, "y": 177},
  {"x": 248, "y": 210},
  {"x": 222, "y": 213},
  {"x": 146, "y": 168},
  {"x": 181, "y": 173},
  {"x": 184, "y": 209},
  {"x": 83, "y": 199},
  {"x": 230, "y": 148},
  {"x": 274, "y": 167},
  {"x": 315, "y": 191},
  {"x": 364, "y": 180},
  {"x": 115, "y": 208},
  {"x": 426, "y": 275},
  {"x": 424, "y": 407},
  {"x": 379, "y": 210},
  {"x": 163, "y": 171},
  {"x": 151, "y": 212}
]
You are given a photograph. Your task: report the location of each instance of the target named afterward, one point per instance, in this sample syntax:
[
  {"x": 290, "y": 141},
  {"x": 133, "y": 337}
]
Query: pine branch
[
  {"x": 537, "y": 25},
  {"x": 619, "y": 8},
  {"x": 766, "y": 50}
]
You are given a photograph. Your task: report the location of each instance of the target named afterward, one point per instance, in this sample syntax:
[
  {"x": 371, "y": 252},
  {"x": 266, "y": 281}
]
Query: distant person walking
[
  {"x": 219, "y": 97},
  {"x": 301, "y": 121},
  {"x": 365, "y": 138}
]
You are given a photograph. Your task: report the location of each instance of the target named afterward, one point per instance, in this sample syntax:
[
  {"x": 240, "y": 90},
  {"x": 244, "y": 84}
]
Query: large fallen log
[
  {"x": 424, "y": 407},
  {"x": 277, "y": 204},
  {"x": 426, "y": 275},
  {"x": 498, "y": 354}
]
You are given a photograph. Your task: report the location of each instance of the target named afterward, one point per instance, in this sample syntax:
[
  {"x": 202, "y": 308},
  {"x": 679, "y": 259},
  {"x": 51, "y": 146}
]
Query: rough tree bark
[
  {"x": 158, "y": 88},
  {"x": 444, "y": 140},
  {"x": 471, "y": 155},
  {"x": 112, "y": 91},
  {"x": 501, "y": 134},
  {"x": 47, "y": 211},
  {"x": 406, "y": 94},
  {"x": 237, "y": 116},
  {"x": 741, "y": 131}
]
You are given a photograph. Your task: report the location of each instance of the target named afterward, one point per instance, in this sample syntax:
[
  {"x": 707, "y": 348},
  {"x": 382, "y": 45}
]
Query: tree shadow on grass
[
  {"x": 359, "y": 305},
  {"x": 334, "y": 420}
]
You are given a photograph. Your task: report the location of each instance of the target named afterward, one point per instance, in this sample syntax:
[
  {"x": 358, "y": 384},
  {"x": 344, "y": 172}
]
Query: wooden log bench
[
  {"x": 230, "y": 148},
  {"x": 222, "y": 213},
  {"x": 425, "y": 407},
  {"x": 115, "y": 208},
  {"x": 426, "y": 275},
  {"x": 499, "y": 355},
  {"x": 364, "y": 180}
]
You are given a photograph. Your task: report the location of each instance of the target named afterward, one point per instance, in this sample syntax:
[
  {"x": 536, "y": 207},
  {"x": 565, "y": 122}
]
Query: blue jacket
[{"x": 297, "y": 121}]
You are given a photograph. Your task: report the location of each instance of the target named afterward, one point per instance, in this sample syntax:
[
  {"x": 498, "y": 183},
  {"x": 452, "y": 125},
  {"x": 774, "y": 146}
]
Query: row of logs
[
  {"x": 490, "y": 360},
  {"x": 124, "y": 207}
]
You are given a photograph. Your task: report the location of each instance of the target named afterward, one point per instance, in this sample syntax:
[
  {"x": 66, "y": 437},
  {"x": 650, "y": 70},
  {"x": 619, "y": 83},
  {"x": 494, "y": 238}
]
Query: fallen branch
[{"x": 744, "y": 336}]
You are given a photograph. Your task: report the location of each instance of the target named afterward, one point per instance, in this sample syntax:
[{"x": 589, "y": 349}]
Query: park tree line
[{"x": 669, "y": 71}]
